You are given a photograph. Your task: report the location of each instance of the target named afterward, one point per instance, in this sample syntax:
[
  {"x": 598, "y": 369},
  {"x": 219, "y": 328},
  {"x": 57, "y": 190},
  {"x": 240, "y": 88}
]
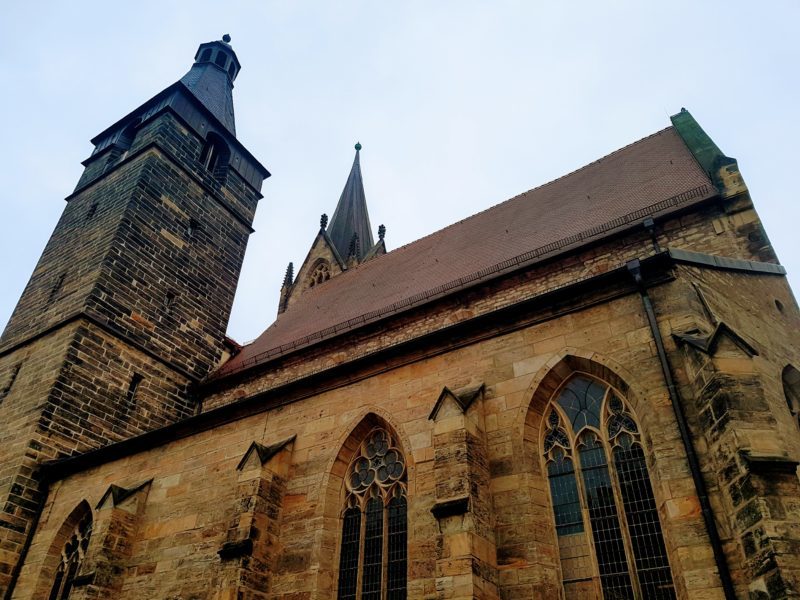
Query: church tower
[
  {"x": 340, "y": 245},
  {"x": 128, "y": 306}
]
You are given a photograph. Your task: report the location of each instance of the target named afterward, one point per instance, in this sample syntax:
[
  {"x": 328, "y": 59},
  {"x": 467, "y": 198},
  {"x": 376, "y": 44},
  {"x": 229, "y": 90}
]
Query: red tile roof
[{"x": 651, "y": 177}]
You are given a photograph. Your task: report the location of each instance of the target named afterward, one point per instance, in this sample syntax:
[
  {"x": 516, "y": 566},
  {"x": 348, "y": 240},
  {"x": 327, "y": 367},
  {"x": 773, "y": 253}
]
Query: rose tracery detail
[
  {"x": 619, "y": 419},
  {"x": 378, "y": 462}
]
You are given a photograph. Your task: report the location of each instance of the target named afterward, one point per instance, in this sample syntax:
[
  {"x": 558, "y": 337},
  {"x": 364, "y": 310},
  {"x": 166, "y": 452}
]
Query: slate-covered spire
[
  {"x": 211, "y": 79},
  {"x": 351, "y": 217}
]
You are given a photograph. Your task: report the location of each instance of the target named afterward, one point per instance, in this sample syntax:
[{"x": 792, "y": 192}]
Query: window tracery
[
  {"x": 320, "y": 274},
  {"x": 373, "y": 559},
  {"x": 606, "y": 518},
  {"x": 72, "y": 556}
]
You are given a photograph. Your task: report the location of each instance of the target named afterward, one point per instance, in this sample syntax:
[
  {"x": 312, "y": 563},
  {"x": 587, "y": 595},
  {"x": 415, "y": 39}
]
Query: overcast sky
[{"x": 459, "y": 106}]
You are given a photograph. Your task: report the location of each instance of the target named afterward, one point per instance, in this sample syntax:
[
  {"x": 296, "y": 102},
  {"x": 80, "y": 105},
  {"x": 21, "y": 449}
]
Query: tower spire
[
  {"x": 351, "y": 216},
  {"x": 211, "y": 79}
]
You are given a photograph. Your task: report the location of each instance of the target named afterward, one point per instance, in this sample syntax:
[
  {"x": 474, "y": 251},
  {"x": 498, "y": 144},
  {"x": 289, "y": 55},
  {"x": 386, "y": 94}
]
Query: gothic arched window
[
  {"x": 606, "y": 518},
  {"x": 320, "y": 274},
  {"x": 372, "y": 563},
  {"x": 72, "y": 555}
]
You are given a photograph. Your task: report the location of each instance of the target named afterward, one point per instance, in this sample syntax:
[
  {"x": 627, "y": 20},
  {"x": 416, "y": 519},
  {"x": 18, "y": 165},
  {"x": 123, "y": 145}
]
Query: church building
[{"x": 588, "y": 391}]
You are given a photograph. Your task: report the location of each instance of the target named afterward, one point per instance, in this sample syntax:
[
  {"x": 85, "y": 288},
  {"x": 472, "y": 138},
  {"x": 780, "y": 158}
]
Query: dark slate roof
[
  {"x": 655, "y": 176},
  {"x": 212, "y": 86},
  {"x": 351, "y": 216}
]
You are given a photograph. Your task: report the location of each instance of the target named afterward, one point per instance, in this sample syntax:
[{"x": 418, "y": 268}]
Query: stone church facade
[{"x": 590, "y": 390}]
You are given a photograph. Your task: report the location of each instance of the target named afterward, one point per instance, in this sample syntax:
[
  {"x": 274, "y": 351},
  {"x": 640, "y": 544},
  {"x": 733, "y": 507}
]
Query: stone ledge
[
  {"x": 231, "y": 550},
  {"x": 450, "y": 508},
  {"x": 767, "y": 464}
]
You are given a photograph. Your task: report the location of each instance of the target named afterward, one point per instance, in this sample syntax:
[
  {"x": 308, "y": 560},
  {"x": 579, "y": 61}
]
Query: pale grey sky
[{"x": 459, "y": 106}]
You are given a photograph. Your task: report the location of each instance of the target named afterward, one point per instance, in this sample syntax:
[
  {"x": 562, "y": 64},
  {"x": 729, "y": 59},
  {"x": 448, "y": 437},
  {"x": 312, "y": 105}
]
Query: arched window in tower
[
  {"x": 221, "y": 59},
  {"x": 206, "y": 55},
  {"x": 320, "y": 274},
  {"x": 373, "y": 558},
  {"x": 215, "y": 156},
  {"x": 791, "y": 390},
  {"x": 232, "y": 70},
  {"x": 72, "y": 556},
  {"x": 607, "y": 524}
]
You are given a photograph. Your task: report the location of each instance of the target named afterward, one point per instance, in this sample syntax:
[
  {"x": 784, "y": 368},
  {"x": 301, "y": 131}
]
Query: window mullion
[
  {"x": 361, "y": 536},
  {"x": 587, "y": 518},
  {"x": 622, "y": 517},
  {"x": 385, "y": 552}
]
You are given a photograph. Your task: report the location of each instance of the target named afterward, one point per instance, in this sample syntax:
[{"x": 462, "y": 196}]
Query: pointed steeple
[
  {"x": 351, "y": 217},
  {"x": 211, "y": 79}
]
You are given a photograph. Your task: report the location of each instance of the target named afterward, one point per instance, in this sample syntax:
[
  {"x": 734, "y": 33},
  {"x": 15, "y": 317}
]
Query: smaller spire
[
  {"x": 351, "y": 215},
  {"x": 288, "y": 279},
  {"x": 381, "y": 231},
  {"x": 323, "y": 221}
]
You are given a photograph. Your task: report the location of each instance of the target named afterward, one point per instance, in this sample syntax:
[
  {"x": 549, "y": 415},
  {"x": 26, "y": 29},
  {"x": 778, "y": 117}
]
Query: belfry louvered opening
[
  {"x": 373, "y": 557},
  {"x": 609, "y": 533}
]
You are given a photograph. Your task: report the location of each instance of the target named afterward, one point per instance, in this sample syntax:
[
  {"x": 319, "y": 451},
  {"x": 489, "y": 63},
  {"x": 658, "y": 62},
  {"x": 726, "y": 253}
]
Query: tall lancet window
[
  {"x": 72, "y": 555},
  {"x": 607, "y": 524},
  {"x": 373, "y": 560}
]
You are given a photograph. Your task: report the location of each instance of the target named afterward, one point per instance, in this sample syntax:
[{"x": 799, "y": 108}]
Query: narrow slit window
[
  {"x": 169, "y": 301},
  {"x": 133, "y": 386},
  {"x": 192, "y": 228},
  {"x": 90, "y": 212},
  {"x": 57, "y": 285},
  {"x": 11, "y": 379}
]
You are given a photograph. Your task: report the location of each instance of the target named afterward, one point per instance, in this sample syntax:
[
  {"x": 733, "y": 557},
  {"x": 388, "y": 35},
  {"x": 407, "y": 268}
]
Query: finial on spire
[
  {"x": 358, "y": 146},
  {"x": 323, "y": 221},
  {"x": 226, "y": 38},
  {"x": 381, "y": 231}
]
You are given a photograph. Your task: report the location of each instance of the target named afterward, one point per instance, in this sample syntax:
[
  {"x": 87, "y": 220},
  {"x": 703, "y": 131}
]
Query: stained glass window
[
  {"x": 71, "y": 558},
  {"x": 605, "y": 513},
  {"x": 373, "y": 559}
]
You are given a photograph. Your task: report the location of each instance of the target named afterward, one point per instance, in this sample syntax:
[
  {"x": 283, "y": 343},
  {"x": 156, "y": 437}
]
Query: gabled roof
[
  {"x": 351, "y": 217},
  {"x": 650, "y": 178}
]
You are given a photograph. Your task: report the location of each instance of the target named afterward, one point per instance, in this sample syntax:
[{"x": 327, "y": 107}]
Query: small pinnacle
[
  {"x": 323, "y": 221},
  {"x": 289, "y": 277},
  {"x": 355, "y": 246},
  {"x": 381, "y": 231},
  {"x": 358, "y": 146},
  {"x": 226, "y": 38}
]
